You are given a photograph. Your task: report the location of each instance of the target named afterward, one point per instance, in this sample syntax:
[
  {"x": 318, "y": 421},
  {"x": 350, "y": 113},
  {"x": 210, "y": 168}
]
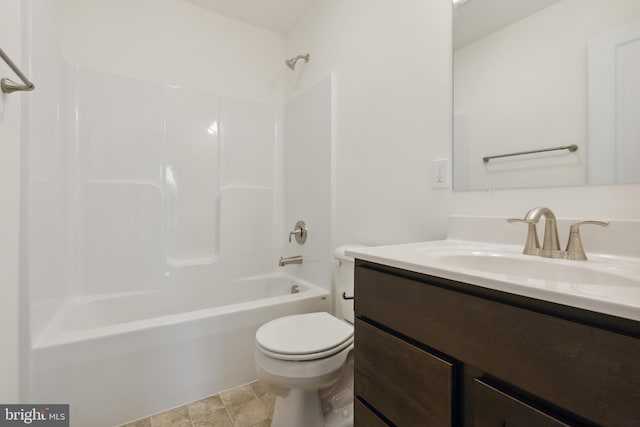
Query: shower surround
[
  {"x": 156, "y": 202},
  {"x": 169, "y": 216}
]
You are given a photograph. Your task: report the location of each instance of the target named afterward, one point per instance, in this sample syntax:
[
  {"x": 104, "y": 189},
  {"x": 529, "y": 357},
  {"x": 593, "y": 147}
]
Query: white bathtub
[{"x": 119, "y": 358}]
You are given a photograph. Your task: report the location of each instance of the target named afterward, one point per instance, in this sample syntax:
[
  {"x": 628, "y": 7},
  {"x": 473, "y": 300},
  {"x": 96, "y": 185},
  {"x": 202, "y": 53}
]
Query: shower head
[{"x": 291, "y": 63}]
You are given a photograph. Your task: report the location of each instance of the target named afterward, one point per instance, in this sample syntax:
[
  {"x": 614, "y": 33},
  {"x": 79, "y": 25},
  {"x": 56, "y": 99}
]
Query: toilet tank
[{"x": 344, "y": 283}]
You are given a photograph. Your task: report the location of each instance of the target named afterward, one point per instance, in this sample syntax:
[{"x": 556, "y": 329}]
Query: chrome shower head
[{"x": 291, "y": 63}]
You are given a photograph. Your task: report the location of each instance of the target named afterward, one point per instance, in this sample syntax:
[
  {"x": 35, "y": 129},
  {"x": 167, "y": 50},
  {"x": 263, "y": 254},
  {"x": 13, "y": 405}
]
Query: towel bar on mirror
[
  {"x": 571, "y": 148},
  {"x": 8, "y": 85}
]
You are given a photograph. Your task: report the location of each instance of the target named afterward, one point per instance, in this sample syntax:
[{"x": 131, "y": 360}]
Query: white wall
[
  {"x": 393, "y": 107},
  {"x": 526, "y": 89},
  {"x": 176, "y": 43},
  {"x": 10, "y": 122},
  {"x": 587, "y": 202}
]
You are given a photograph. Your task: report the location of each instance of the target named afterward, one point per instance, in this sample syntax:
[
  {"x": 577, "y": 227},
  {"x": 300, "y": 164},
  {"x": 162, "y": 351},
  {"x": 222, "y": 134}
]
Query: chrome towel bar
[
  {"x": 572, "y": 148},
  {"x": 8, "y": 85}
]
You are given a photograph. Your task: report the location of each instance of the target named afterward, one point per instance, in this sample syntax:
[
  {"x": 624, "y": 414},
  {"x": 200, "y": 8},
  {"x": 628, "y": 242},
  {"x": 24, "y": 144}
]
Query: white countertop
[{"x": 572, "y": 283}]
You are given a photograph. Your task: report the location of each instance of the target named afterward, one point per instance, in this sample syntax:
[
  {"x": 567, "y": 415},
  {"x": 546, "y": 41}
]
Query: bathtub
[{"x": 121, "y": 357}]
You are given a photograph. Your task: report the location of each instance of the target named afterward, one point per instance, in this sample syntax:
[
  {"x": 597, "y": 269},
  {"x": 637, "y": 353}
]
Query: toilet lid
[{"x": 304, "y": 336}]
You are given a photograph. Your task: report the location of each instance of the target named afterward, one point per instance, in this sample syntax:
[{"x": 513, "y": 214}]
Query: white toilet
[{"x": 306, "y": 360}]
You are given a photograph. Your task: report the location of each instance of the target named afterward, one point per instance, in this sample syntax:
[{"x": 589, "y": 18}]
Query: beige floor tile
[
  {"x": 216, "y": 418},
  {"x": 178, "y": 417},
  {"x": 247, "y": 413},
  {"x": 248, "y": 405},
  {"x": 237, "y": 395},
  {"x": 146, "y": 422},
  {"x": 269, "y": 403},
  {"x": 204, "y": 408},
  {"x": 259, "y": 388}
]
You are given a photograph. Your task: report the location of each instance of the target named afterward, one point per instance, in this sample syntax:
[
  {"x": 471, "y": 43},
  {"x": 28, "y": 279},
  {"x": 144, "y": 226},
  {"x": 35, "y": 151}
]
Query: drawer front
[
  {"x": 363, "y": 417},
  {"x": 494, "y": 408},
  {"x": 591, "y": 372},
  {"x": 406, "y": 384}
]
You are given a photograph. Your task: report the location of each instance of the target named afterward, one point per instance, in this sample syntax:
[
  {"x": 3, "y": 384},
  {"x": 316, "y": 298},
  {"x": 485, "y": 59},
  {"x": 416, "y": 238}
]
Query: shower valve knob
[{"x": 300, "y": 232}]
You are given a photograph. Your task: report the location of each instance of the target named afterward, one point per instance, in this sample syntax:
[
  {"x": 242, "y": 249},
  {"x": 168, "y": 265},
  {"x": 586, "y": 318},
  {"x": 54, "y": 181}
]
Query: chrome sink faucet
[
  {"x": 551, "y": 245},
  {"x": 550, "y": 242}
]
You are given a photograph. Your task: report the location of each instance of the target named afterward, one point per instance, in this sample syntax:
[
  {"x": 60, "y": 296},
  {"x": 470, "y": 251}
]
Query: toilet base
[
  {"x": 298, "y": 408},
  {"x": 342, "y": 417},
  {"x": 303, "y": 408},
  {"x": 331, "y": 406}
]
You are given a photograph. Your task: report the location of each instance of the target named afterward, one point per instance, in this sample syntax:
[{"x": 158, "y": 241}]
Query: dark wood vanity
[{"x": 435, "y": 352}]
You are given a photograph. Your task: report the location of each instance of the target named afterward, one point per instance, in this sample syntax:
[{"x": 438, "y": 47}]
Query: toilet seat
[
  {"x": 301, "y": 337},
  {"x": 306, "y": 357}
]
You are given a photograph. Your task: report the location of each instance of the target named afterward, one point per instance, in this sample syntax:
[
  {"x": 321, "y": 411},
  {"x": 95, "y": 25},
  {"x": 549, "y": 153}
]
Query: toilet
[{"x": 306, "y": 360}]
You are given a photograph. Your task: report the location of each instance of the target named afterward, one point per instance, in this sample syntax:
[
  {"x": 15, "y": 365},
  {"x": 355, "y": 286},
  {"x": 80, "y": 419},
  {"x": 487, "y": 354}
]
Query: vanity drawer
[
  {"x": 592, "y": 373},
  {"x": 407, "y": 385},
  {"x": 495, "y": 408},
  {"x": 363, "y": 417}
]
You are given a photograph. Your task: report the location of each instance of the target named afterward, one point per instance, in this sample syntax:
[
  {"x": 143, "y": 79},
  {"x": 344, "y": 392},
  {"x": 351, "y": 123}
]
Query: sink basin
[{"x": 538, "y": 270}]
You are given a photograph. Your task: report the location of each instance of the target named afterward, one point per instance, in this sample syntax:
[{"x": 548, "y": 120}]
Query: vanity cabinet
[{"x": 434, "y": 352}]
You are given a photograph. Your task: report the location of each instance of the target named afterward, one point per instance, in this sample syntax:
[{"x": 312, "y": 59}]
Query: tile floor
[{"x": 249, "y": 405}]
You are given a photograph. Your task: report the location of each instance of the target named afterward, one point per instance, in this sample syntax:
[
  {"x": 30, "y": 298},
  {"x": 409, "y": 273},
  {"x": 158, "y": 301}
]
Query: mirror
[{"x": 545, "y": 75}]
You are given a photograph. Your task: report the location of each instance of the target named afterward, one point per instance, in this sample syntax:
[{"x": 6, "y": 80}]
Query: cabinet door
[
  {"x": 406, "y": 384},
  {"x": 494, "y": 408}
]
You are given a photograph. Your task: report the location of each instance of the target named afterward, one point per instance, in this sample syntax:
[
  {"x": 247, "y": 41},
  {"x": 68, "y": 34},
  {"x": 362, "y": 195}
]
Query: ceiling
[
  {"x": 472, "y": 21},
  {"x": 476, "y": 19},
  {"x": 273, "y": 15}
]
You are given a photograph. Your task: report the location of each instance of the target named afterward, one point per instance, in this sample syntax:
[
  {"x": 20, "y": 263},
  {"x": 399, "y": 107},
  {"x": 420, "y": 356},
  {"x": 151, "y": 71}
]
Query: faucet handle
[
  {"x": 300, "y": 232},
  {"x": 528, "y": 221},
  {"x": 574, "y": 249},
  {"x": 296, "y": 233},
  {"x": 575, "y": 228},
  {"x": 532, "y": 245}
]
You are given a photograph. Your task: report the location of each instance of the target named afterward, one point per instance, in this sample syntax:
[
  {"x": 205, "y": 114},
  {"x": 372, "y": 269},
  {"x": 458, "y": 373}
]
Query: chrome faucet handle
[
  {"x": 574, "y": 249},
  {"x": 300, "y": 232},
  {"x": 532, "y": 245}
]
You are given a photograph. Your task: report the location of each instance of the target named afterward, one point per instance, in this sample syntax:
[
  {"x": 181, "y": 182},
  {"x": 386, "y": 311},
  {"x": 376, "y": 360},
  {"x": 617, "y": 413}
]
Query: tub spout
[{"x": 290, "y": 260}]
